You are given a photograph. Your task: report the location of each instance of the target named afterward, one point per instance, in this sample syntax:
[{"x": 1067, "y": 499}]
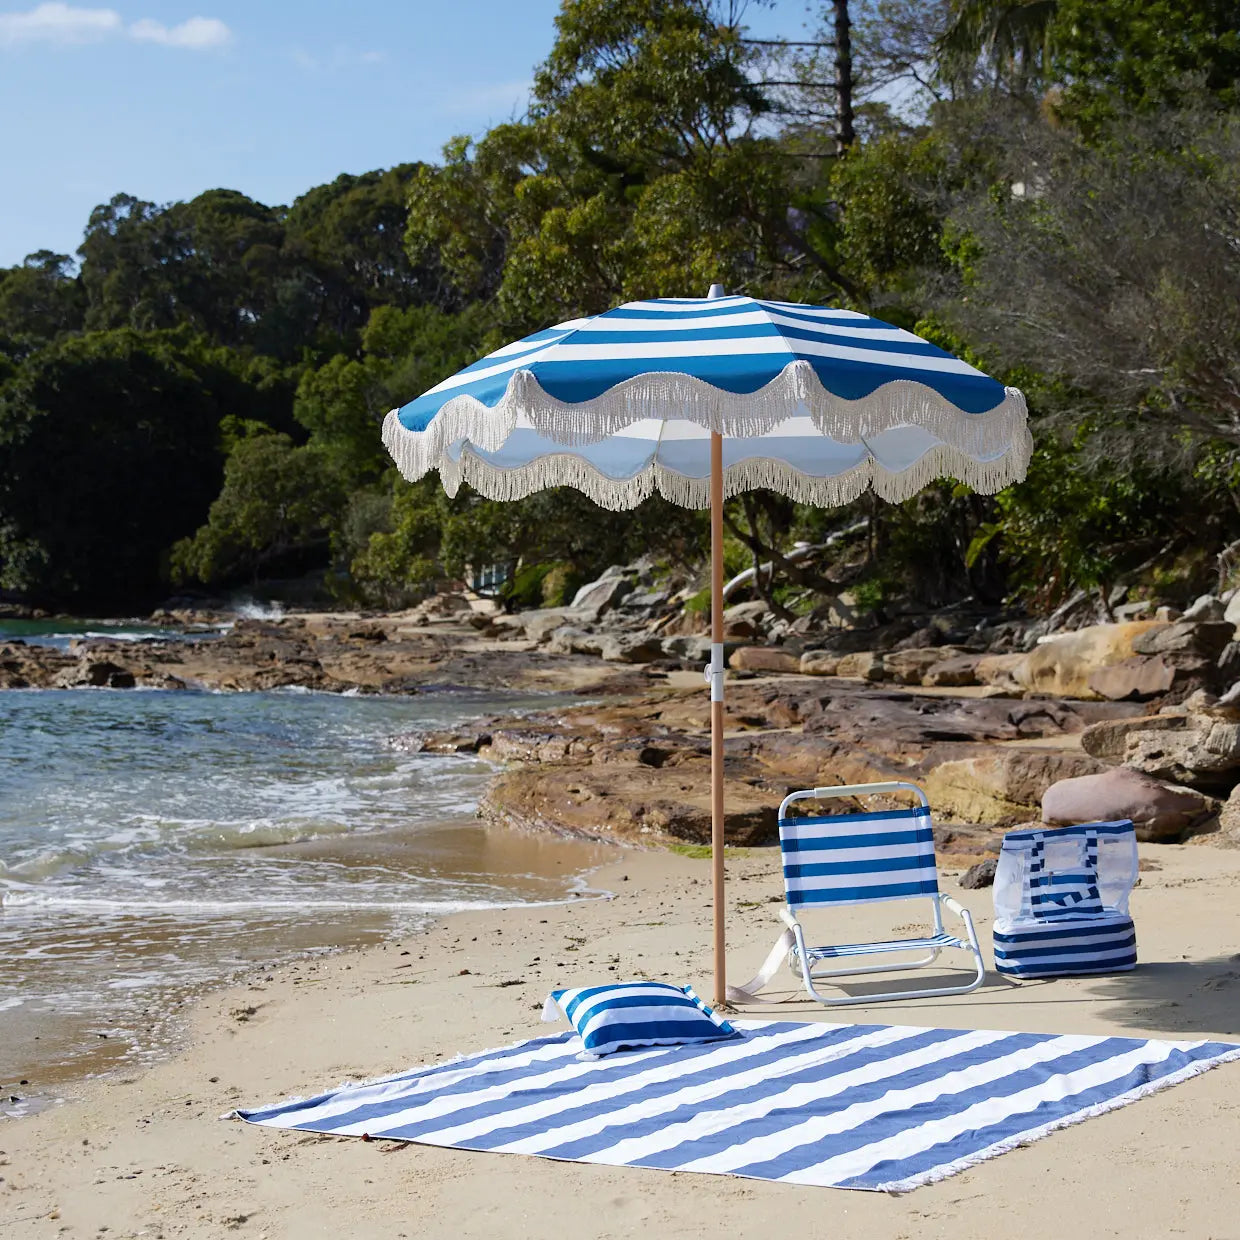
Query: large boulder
[
  {"x": 908, "y": 665},
  {"x": 600, "y": 596},
  {"x": 819, "y": 663},
  {"x": 960, "y": 669},
  {"x": 631, "y": 647},
  {"x": 1194, "y": 748},
  {"x": 95, "y": 673},
  {"x": 1062, "y": 667},
  {"x": 1229, "y": 818},
  {"x": 541, "y": 623},
  {"x": 764, "y": 659},
  {"x": 1003, "y": 786},
  {"x": 999, "y": 671},
  {"x": 864, "y": 664},
  {"x": 1160, "y": 812},
  {"x": 1133, "y": 680}
]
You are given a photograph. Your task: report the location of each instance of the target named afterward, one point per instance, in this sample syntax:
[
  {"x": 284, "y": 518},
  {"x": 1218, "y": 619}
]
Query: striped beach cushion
[
  {"x": 1065, "y": 948},
  {"x": 623, "y": 1015},
  {"x": 858, "y": 858}
]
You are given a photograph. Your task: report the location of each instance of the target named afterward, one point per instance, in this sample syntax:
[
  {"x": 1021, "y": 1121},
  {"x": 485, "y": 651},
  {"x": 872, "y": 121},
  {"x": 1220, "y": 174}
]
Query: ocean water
[
  {"x": 60, "y": 633},
  {"x": 153, "y": 842}
]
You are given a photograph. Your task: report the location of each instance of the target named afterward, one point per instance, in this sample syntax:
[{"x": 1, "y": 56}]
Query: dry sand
[{"x": 147, "y": 1155}]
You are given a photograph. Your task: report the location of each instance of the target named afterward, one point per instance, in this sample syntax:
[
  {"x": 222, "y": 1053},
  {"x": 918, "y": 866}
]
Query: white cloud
[
  {"x": 62, "y": 24},
  {"x": 491, "y": 98},
  {"x": 57, "y": 23},
  {"x": 196, "y": 33}
]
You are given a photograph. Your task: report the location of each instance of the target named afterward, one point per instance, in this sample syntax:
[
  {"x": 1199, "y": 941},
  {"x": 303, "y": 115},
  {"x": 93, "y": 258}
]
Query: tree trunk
[{"x": 845, "y": 133}]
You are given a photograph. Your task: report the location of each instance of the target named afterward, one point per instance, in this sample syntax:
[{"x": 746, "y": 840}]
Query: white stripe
[
  {"x": 801, "y": 829},
  {"x": 761, "y": 1149},
  {"x": 671, "y": 1067},
  {"x": 922, "y": 851},
  {"x": 980, "y": 1115},
  {"x": 746, "y": 347},
  {"x": 845, "y": 882},
  {"x": 353, "y": 1097},
  {"x": 646, "y": 1109},
  {"x": 720, "y": 1120}
]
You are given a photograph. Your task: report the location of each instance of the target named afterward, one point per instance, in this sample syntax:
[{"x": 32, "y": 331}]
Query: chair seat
[{"x": 890, "y": 945}]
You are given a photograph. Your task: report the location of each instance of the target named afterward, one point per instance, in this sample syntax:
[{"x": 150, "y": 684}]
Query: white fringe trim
[
  {"x": 988, "y": 450},
  {"x": 946, "y": 1170},
  {"x": 566, "y": 469}
]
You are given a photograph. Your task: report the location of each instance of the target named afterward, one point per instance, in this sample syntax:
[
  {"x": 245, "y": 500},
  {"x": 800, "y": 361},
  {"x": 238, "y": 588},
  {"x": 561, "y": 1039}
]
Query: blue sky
[{"x": 165, "y": 100}]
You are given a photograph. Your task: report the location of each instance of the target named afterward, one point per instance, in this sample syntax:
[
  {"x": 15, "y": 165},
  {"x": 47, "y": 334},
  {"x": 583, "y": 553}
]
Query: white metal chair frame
[{"x": 801, "y": 958}]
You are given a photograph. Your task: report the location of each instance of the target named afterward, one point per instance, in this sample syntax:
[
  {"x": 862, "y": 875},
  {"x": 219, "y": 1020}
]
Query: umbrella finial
[{"x": 716, "y": 290}]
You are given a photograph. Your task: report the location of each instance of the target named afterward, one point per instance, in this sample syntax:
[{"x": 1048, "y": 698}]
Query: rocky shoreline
[{"x": 1128, "y": 719}]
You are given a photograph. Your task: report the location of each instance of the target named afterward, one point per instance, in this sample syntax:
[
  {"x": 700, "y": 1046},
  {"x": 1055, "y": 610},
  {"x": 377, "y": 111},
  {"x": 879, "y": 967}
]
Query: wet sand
[
  {"x": 144, "y": 1153},
  {"x": 106, "y": 991}
]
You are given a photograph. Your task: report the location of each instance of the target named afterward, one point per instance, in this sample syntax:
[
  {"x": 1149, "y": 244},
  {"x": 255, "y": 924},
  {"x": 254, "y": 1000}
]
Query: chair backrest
[
  {"x": 858, "y": 858},
  {"x": 1065, "y": 872}
]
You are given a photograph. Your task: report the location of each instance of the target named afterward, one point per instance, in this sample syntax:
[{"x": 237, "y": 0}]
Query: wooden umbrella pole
[{"x": 716, "y": 707}]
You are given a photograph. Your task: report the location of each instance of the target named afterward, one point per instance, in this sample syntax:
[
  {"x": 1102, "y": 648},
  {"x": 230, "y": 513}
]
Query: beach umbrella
[{"x": 701, "y": 398}]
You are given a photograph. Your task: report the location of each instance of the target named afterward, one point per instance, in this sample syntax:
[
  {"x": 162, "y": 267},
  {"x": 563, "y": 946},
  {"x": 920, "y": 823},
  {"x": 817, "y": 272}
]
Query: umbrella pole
[{"x": 716, "y": 707}]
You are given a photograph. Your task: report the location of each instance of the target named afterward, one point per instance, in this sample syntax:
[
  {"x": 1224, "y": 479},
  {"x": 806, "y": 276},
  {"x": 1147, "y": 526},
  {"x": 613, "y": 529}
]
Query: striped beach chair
[
  {"x": 865, "y": 858},
  {"x": 1061, "y": 901}
]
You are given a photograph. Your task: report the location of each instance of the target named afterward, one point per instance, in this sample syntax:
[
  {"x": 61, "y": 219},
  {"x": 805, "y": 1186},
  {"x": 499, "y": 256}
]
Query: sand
[{"x": 147, "y": 1154}]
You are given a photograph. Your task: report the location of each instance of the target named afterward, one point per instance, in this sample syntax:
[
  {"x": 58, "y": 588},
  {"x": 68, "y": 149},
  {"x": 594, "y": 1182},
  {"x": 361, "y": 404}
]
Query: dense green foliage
[{"x": 1049, "y": 187}]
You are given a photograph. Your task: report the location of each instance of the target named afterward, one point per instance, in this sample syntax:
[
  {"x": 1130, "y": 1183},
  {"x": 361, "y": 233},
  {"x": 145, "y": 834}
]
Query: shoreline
[{"x": 144, "y": 1153}]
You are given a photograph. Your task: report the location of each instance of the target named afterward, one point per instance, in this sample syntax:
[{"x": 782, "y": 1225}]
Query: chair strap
[{"x": 748, "y": 993}]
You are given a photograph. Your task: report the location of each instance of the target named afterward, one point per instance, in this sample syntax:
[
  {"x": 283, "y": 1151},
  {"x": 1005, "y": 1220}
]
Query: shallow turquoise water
[{"x": 153, "y": 841}]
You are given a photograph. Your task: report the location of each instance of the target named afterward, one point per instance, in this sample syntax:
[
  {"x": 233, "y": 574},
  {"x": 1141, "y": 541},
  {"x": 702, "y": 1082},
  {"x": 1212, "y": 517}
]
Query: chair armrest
[
  {"x": 957, "y": 908},
  {"x": 788, "y": 917}
]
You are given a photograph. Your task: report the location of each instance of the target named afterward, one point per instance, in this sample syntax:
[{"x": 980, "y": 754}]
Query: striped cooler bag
[{"x": 1061, "y": 901}]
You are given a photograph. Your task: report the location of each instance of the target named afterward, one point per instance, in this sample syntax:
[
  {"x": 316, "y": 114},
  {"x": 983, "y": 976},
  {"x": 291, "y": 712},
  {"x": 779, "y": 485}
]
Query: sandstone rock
[
  {"x": 819, "y": 663},
  {"x": 1232, "y": 611},
  {"x": 999, "y": 671},
  {"x": 1205, "y": 753},
  {"x": 1207, "y": 607},
  {"x": 865, "y": 664},
  {"x": 980, "y": 875},
  {"x": 630, "y": 648},
  {"x": 1003, "y": 786},
  {"x": 1206, "y": 639},
  {"x": 1062, "y": 667},
  {"x": 601, "y": 595},
  {"x": 568, "y": 639},
  {"x": 1229, "y": 818},
  {"x": 96, "y": 673},
  {"x": 1133, "y": 680},
  {"x": 1108, "y": 738},
  {"x": 924, "y": 638},
  {"x": 909, "y": 664},
  {"x": 763, "y": 659},
  {"x": 539, "y": 624},
  {"x": 960, "y": 669},
  {"x": 1160, "y": 812}
]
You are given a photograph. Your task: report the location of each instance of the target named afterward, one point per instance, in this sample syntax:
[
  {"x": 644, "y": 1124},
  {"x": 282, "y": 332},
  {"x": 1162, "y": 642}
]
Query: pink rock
[{"x": 1159, "y": 811}]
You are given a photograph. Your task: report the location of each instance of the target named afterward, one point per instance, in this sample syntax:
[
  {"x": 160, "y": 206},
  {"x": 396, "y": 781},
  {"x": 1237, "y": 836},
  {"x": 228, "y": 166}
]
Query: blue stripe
[
  {"x": 820, "y": 843},
  {"x": 891, "y": 891},
  {"x": 582, "y": 1147},
  {"x": 880, "y": 865},
  {"x": 1048, "y": 1112},
  {"x": 776, "y": 1121}
]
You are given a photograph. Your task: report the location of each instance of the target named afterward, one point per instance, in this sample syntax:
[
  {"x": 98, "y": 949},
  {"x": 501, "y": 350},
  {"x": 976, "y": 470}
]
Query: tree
[
  {"x": 41, "y": 299},
  {"x": 274, "y": 513},
  {"x": 109, "y": 450}
]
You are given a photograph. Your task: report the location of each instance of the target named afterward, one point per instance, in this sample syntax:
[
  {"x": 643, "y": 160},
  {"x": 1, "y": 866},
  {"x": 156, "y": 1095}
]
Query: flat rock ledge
[{"x": 637, "y": 771}]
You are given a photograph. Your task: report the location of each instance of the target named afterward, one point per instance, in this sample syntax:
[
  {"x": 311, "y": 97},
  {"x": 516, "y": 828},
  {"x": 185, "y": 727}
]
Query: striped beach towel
[{"x": 886, "y": 1107}]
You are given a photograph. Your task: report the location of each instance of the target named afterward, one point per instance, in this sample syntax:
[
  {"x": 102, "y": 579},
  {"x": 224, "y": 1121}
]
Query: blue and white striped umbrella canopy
[{"x": 813, "y": 402}]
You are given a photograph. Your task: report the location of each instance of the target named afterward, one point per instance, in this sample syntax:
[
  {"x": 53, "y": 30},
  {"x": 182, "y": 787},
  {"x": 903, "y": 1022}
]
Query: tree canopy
[{"x": 1049, "y": 187}]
